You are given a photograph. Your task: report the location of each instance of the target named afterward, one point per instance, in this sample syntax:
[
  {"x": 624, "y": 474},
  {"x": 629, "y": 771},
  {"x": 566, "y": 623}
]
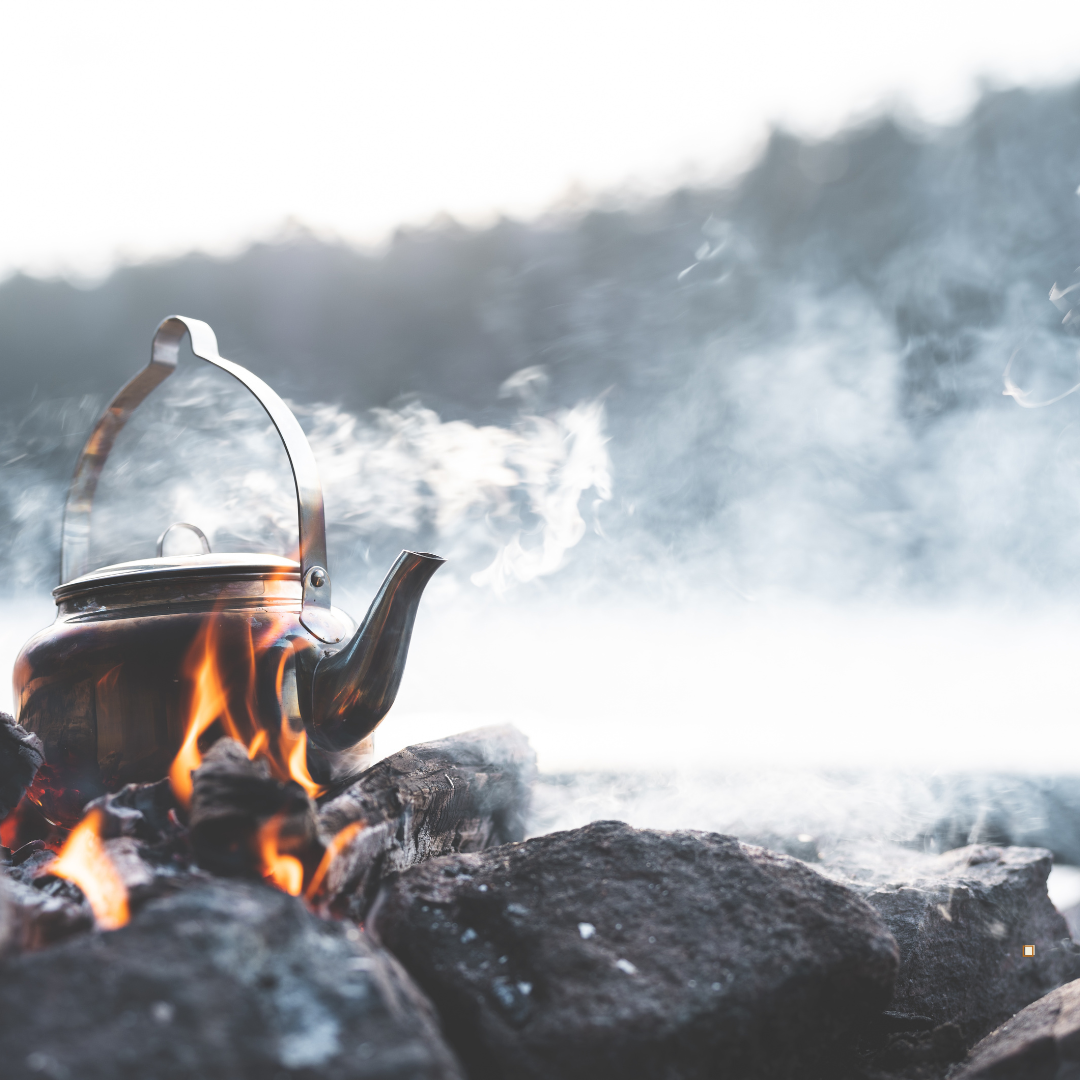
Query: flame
[
  {"x": 285, "y": 871},
  {"x": 222, "y": 676},
  {"x": 333, "y": 849},
  {"x": 208, "y": 704},
  {"x": 85, "y": 861},
  {"x": 258, "y": 744}
]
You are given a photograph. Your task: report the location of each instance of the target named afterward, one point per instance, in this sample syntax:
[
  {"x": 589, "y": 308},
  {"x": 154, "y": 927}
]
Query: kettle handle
[{"x": 75, "y": 533}]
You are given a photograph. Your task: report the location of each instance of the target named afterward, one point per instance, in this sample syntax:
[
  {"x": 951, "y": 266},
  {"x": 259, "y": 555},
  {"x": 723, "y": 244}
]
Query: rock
[
  {"x": 1041, "y": 1042},
  {"x": 961, "y": 920},
  {"x": 607, "y": 951},
  {"x": 463, "y": 793},
  {"x": 21, "y": 755},
  {"x": 229, "y": 980}
]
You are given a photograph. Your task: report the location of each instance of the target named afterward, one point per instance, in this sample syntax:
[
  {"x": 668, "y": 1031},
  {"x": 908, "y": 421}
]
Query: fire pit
[{"x": 204, "y": 874}]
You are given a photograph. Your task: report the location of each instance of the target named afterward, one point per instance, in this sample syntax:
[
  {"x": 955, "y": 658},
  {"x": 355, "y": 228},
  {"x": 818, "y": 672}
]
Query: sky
[{"x": 134, "y": 130}]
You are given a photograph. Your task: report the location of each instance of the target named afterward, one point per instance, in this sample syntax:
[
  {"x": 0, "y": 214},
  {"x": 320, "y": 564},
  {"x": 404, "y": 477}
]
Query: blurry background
[{"x": 680, "y": 329}]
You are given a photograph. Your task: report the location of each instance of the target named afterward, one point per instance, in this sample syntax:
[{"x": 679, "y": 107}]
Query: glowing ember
[
  {"x": 85, "y": 862},
  {"x": 285, "y": 871},
  {"x": 333, "y": 849}
]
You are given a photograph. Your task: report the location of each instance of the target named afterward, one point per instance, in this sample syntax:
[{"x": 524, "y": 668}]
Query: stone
[
  {"x": 21, "y": 755},
  {"x": 608, "y": 951},
  {"x": 961, "y": 920},
  {"x": 463, "y": 793},
  {"x": 230, "y": 980},
  {"x": 1041, "y": 1042}
]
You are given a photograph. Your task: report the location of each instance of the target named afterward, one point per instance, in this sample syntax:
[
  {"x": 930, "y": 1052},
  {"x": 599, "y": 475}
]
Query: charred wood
[
  {"x": 464, "y": 793},
  {"x": 32, "y": 918},
  {"x": 233, "y": 799},
  {"x": 21, "y": 755},
  {"x": 145, "y": 811}
]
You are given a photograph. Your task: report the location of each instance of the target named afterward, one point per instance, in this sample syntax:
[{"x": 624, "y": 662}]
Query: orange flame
[
  {"x": 85, "y": 861},
  {"x": 333, "y": 849},
  {"x": 209, "y": 704},
  {"x": 227, "y": 693},
  {"x": 285, "y": 871}
]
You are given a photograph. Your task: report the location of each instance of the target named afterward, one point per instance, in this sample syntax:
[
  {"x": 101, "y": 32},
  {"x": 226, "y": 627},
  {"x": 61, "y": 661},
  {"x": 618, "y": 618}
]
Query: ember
[{"x": 85, "y": 862}]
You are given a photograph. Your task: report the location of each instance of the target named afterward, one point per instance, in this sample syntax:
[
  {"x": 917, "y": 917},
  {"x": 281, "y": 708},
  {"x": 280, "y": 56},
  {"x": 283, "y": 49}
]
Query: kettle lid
[{"x": 181, "y": 569}]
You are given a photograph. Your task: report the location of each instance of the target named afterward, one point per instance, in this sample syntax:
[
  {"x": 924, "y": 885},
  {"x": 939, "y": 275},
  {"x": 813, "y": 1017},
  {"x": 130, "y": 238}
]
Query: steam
[
  {"x": 504, "y": 502},
  {"x": 516, "y": 488}
]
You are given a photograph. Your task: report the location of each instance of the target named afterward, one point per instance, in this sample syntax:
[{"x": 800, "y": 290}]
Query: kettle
[{"x": 111, "y": 685}]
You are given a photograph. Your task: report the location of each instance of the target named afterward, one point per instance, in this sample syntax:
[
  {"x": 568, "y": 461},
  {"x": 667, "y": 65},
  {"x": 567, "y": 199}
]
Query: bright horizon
[{"x": 138, "y": 132}]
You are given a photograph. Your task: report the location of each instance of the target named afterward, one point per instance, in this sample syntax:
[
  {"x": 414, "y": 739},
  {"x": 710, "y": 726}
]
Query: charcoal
[
  {"x": 233, "y": 798},
  {"x": 232, "y": 980},
  {"x": 140, "y": 810},
  {"x": 961, "y": 920},
  {"x": 21, "y": 755},
  {"x": 20, "y": 855},
  {"x": 609, "y": 951},
  {"x": 1042, "y": 1042},
  {"x": 464, "y": 793},
  {"x": 32, "y": 918}
]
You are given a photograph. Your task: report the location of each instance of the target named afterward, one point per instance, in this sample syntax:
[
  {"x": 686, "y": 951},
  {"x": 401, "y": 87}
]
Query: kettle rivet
[{"x": 318, "y": 578}]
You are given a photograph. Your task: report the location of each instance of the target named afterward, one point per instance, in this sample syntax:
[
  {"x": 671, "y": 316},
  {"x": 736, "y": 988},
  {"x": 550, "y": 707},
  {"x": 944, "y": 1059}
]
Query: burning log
[
  {"x": 464, "y": 793},
  {"x": 246, "y": 823}
]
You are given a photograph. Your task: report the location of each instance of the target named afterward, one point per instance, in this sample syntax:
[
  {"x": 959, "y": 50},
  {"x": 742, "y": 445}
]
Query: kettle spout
[{"x": 353, "y": 689}]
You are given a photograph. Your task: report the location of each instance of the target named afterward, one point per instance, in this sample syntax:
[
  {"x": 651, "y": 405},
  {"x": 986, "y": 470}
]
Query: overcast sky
[{"x": 134, "y": 129}]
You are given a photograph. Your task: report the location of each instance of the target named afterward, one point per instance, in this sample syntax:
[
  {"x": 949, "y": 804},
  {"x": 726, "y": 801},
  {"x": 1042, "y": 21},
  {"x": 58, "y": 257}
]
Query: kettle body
[{"x": 238, "y": 643}]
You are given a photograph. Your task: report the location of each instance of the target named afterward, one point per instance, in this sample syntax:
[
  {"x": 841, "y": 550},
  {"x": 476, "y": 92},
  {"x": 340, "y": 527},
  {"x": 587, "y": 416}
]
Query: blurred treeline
[{"x": 923, "y": 257}]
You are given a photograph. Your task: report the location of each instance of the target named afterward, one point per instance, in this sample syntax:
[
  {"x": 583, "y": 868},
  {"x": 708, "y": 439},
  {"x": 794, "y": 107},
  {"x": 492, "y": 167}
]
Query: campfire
[{"x": 207, "y": 874}]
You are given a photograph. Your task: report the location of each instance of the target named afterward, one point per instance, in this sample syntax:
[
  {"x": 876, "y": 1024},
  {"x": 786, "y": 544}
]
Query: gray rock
[
  {"x": 229, "y": 980},
  {"x": 962, "y": 920},
  {"x": 608, "y": 951},
  {"x": 1042, "y": 1042}
]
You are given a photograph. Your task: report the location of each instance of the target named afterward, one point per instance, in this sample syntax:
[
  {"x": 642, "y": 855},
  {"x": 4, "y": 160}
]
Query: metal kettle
[{"x": 108, "y": 687}]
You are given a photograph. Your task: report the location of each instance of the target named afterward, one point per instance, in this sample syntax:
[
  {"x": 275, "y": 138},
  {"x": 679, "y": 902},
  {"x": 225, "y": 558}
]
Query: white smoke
[
  {"x": 502, "y": 502},
  {"x": 475, "y": 486}
]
